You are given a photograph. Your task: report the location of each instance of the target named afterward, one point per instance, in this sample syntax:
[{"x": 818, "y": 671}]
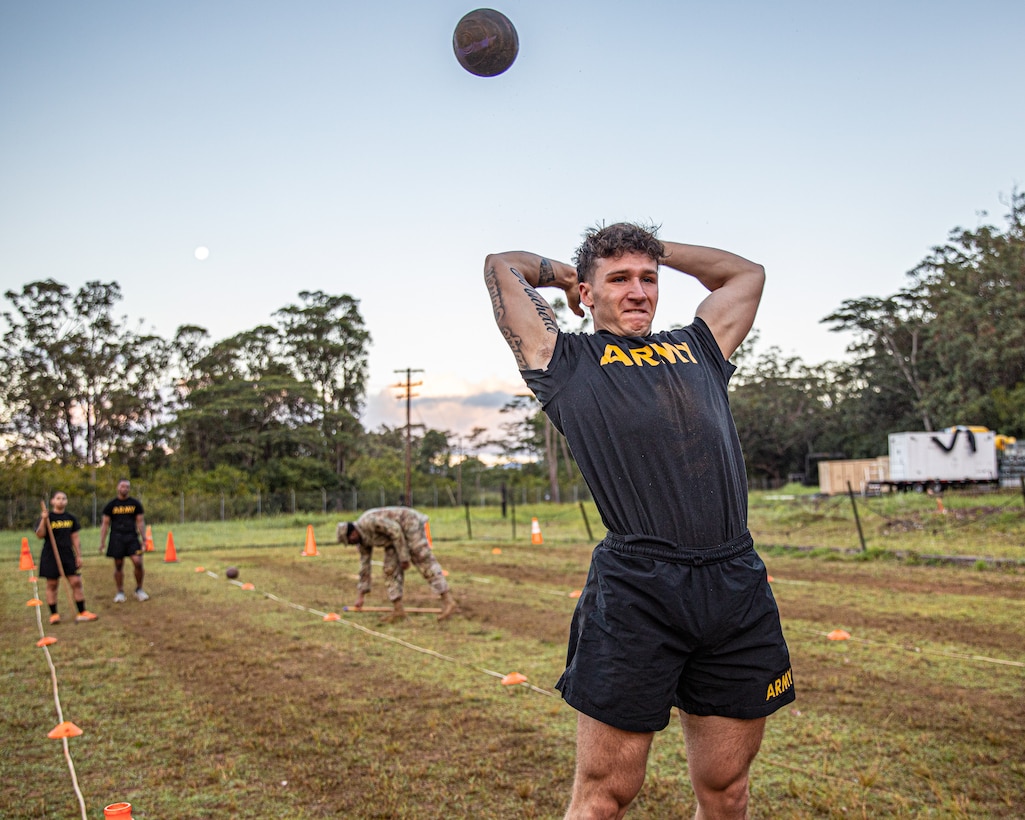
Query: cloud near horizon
[{"x": 447, "y": 404}]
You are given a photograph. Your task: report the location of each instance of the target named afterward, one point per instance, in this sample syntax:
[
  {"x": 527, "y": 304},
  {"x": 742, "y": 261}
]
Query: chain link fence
[{"x": 21, "y": 512}]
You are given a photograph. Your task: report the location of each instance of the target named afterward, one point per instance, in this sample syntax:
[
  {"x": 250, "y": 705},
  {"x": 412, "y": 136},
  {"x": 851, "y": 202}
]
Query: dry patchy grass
[{"x": 213, "y": 702}]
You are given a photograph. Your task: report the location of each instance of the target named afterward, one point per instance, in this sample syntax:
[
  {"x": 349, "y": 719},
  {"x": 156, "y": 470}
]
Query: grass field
[{"x": 213, "y": 701}]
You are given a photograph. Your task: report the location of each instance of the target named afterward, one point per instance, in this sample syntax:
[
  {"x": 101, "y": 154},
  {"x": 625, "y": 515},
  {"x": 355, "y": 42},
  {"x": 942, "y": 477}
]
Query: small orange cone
[
  {"x": 332, "y": 616},
  {"x": 26, "y": 556},
  {"x": 839, "y": 635},
  {"x": 65, "y": 729},
  {"x": 513, "y": 678},
  {"x": 535, "y": 532},
  {"x": 48, "y": 640},
  {"x": 33, "y": 602},
  {"x": 149, "y": 539},
  {"x": 170, "y": 554},
  {"x": 311, "y": 542}
]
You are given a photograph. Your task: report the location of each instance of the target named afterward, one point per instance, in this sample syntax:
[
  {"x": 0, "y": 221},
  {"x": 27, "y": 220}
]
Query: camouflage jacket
[{"x": 391, "y": 527}]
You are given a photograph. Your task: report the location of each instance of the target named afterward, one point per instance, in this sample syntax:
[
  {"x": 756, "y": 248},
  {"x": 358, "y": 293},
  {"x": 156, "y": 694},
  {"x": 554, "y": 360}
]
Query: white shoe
[
  {"x": 119, "y": 598},
  {"x": 140, "y": 595}
]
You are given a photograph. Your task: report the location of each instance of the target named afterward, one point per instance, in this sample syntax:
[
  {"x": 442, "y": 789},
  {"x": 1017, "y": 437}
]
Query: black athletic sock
[
  {"x": 80, "y": 605},
  {"x": 53, "y": 609}
]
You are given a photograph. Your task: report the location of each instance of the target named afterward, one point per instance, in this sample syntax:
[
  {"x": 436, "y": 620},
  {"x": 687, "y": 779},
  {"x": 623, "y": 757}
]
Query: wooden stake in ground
[{"x": 389, "y": 609}]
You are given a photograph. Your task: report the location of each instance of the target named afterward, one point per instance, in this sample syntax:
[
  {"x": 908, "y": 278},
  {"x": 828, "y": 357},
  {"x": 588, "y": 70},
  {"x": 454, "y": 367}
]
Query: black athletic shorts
[
  {"x": 657, "y": 627},
  {"x": 48, "y": 563},
  {"x": 123, "y": 546}
]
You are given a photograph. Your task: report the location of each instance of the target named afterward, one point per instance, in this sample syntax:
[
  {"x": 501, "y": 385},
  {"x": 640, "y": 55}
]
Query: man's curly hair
[{"x": 605, "y": 241}]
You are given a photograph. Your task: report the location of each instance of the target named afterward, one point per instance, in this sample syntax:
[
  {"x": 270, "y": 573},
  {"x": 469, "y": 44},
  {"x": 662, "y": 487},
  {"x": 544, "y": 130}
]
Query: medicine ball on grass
[{"x": 485, "y": 42}]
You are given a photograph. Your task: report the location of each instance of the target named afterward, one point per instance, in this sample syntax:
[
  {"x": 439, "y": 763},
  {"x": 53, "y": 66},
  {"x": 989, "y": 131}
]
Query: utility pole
[{"x": 408, "y": 394}]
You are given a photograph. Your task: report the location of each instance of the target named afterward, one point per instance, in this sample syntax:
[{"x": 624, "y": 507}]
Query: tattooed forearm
[
  {"x": 543, "y": 309},
  {"x": 547, "y": 273},
  {"x": 491, "y": 279},
  {"x": 515, "y": 345},
  {"x": 527, "y": 337}
]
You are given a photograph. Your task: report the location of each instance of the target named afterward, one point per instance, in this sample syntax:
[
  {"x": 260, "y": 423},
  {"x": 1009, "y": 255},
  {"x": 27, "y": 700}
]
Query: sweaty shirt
[{"x": 649, "y": 424}]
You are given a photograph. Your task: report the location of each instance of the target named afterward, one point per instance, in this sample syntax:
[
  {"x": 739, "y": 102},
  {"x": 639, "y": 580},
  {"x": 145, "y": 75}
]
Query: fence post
[
  {"x": 222, "y": 506},
  {"x": 259, "y": 505},
  {"x": 323, "y": 500},
  {"x": 857, "y": 520},
  {"x": 469, "y": 529},
  {"x": 181, "y": 502},
  {"x": 587, "y": 523}
]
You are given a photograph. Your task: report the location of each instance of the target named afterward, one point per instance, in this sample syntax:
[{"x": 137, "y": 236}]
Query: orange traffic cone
[
  {"x": 149, "y": 538},
  {"x": 535, "y": 532},
  {"x": 26, "y": 561},
  {"x": 170, "y": 554},
  {"x": 311, "y": 542}
]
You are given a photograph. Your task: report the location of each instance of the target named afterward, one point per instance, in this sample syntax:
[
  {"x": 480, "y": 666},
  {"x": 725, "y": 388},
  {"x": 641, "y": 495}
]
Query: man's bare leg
[
  {"x": 719, "y": 755},
  {"x": 610, "y": 769}
]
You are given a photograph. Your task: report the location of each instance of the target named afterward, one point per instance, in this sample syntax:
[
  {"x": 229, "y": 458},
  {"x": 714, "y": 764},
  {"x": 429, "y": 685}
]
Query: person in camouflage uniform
[{"x": 402, "y": 533}]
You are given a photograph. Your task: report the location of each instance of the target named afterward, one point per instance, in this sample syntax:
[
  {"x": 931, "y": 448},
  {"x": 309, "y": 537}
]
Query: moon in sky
[{"x": 202, "y": 253}]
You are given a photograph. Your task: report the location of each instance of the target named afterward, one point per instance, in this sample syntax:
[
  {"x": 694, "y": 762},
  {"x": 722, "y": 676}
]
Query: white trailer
[{"x": 957, "y": 457}]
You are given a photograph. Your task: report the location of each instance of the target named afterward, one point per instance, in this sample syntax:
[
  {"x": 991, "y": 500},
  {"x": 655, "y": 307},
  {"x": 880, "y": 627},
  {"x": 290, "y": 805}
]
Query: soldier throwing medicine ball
[
  {"x": 402, "y": 533},
  {"x": 676, "y": 610}
]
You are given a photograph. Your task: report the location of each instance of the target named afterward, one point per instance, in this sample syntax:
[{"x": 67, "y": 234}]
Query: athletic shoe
[
  {"x": 85, "y": 615},
  {"x": 140, "y": 595},
  {"x": 55, "y": 618},
  {"x": 119, "y": 598}
]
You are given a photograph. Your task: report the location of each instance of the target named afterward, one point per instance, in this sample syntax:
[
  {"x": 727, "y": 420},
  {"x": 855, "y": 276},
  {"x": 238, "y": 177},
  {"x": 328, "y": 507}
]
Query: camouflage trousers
[{"x": 421, "y": 556}]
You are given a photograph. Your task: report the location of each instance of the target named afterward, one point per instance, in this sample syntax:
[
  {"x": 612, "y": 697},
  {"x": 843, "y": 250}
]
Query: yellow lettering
[
  {"x": 686, "y": 349},
  {"x": 643, "y": 355},
  {"x": 667, "y": 352},
  {"x": 613, "y": 353},
  {"x": 653, "y": 355},
  {"x": 780, "y": 685}
]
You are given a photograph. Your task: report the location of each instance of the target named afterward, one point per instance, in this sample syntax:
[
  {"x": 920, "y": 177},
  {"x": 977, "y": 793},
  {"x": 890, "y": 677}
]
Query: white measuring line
[
  {"x": 353, "y": 625},
  {"x": 918, "y": 650},
  {"x": 57, "y": 704}
]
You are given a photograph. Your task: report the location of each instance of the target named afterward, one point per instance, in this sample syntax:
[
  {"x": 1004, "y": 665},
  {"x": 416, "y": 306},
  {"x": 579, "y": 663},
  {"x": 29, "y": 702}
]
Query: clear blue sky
[{"x": 338, "y": 146}]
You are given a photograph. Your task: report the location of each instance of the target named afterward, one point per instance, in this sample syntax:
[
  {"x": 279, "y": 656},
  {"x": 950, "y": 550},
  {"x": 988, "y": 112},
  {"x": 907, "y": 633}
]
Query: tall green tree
[
  {"x": 242, "y": 407},
  {"x": 77, "y": 383},
  {"x": 780, "y": 406},
  {"x": 327, "y": 343},
  {"x": 953, "y": 341}
]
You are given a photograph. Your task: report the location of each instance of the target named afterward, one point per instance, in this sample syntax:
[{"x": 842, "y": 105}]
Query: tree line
[{"x": 84, "y": 394}]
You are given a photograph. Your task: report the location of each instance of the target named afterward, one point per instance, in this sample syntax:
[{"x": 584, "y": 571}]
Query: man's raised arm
[
  {"x": 736, "y": 284},
  {"x": 526, "y": 320}
]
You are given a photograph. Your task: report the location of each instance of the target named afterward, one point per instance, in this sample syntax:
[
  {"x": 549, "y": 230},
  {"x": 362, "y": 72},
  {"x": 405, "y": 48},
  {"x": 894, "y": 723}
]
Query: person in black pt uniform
[
  {"x": 676, "y": 609},
  {"x": 123, "y": 518},
  {"x": 64, "y": 527}
]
